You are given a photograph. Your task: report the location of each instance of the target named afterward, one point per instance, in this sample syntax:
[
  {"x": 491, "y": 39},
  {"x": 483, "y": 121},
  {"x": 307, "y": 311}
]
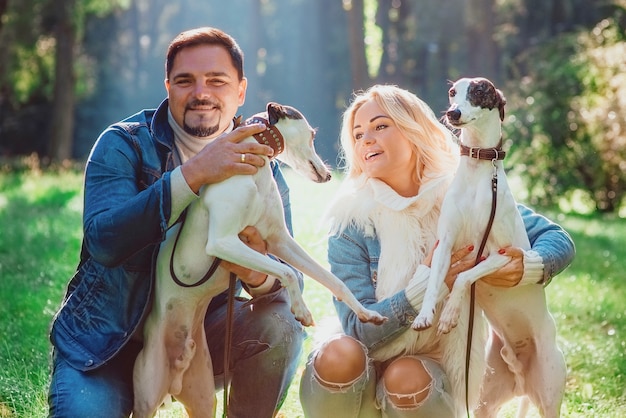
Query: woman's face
[{"x": 382, "y": 150}]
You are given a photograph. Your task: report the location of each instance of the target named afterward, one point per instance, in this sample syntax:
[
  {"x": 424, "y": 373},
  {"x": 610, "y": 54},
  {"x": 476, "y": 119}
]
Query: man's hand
[
  {"x": 250, "y": 235},
  {"x": 225, "y": 156}
]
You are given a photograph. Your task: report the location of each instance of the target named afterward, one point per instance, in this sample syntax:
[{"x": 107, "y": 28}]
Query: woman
[{"x": 400, "y": 161}]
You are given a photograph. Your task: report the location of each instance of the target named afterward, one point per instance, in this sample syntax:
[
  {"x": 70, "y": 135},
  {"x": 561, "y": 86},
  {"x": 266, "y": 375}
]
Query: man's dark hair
[{"x": 204, "y": 36}]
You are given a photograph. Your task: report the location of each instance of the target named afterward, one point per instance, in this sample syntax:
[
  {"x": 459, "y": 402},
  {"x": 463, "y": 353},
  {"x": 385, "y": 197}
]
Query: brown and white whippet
[{"x": 175, "y": 358}]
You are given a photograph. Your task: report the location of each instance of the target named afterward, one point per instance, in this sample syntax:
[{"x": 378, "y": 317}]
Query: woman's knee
[
  {"x": 407, "y": 382},
  {"x": 340, "y": 361}
]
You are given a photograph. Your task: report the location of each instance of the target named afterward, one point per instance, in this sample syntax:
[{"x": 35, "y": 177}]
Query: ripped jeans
[{"x": 367, "y": 397}]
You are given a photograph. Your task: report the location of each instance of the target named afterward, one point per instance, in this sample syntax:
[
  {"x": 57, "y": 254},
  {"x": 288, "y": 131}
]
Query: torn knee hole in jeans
[
  {"x": 338, "y": 387},
  {"x": 249, "y": 348},
  {"x": 413, "y": 396}
]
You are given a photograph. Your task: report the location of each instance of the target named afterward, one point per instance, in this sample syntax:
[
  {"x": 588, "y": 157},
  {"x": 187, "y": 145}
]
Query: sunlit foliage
[{"x": 568, "y": 131}]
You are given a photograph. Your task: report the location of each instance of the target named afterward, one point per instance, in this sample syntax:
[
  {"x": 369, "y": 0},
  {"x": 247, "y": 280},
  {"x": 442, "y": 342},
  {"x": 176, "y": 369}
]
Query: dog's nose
[{"x": 453, "y": 114}]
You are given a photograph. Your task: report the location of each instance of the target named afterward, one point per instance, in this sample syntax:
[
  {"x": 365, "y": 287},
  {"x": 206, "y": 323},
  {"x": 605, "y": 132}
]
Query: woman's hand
[
  {"x": 251, "y": 237},
  {"x": 511, "y": 273},
  {"x": 460, "y": 261},
  {"x": 507, "y": 276}
]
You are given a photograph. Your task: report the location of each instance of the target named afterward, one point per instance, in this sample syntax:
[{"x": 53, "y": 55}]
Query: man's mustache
[{"x": 203, "y": 103}]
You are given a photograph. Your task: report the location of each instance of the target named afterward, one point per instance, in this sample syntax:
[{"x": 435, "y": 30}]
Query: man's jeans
[{"x": 266, "y": 347}]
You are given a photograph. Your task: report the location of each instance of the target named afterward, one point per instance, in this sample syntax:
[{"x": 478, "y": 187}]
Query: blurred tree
[
  {"x": 63, "y": 29},
  {"x": 482, "y": 49},
  {"x": 569, "y": 126},
  {"x": 26, "y": 68},
  {"x": 3, "y": 8},
  {"x": 107, "y": 57},
  {"x": 421, "y": 46},
  {"x": 524, "y": 24},
  {"x": 356, "y": 35},
  {"x": 41, "y": 42}
]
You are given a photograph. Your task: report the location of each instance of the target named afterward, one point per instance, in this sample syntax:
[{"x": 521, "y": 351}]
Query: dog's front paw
[
  {"x": 422, "y": 322},
  {"x": 449, "y": 318},
  {"x": 367, "y": 315},
  {"x": 303, "y": 315}
]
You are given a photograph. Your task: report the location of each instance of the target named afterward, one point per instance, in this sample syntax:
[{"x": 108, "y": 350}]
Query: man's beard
[{"x": 200, "y": 131}]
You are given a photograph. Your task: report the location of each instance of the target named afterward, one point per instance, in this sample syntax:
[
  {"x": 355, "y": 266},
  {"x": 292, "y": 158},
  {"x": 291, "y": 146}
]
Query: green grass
[
  {"x": 40, "y": 230},
  {"x": 39, "y": 241}
]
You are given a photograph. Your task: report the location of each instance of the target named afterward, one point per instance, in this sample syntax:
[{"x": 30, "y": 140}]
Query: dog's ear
[
  {"x": 501, "y": 104},
  {"x": 275, "y": 112}
]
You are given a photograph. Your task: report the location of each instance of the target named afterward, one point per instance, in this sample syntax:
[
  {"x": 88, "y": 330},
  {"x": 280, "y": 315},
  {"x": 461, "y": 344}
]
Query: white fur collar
[{"x": 405, "y": 226}]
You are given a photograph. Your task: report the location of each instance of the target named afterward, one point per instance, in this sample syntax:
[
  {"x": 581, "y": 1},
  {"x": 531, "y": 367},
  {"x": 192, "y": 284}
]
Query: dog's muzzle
[{"x": 453, "y": 115}]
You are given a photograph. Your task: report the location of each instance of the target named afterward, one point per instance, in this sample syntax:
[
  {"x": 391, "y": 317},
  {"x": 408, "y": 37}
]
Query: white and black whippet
[{"x": 522, "y": 355}]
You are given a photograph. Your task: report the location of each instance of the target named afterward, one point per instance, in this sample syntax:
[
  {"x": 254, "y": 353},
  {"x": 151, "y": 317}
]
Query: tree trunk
[
  {"x": 62, "y": 117},
  {"x": 356, "y": 34},
  {"x": 479, "y": 24},
  {"x": 3, "y": 8}
]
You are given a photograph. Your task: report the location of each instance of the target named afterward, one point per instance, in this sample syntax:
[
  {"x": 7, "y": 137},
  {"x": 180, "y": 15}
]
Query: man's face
[{"x": 204, "y": 91}]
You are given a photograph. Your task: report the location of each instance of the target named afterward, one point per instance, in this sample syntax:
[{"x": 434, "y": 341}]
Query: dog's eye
[{"x": 452, "y": 92}]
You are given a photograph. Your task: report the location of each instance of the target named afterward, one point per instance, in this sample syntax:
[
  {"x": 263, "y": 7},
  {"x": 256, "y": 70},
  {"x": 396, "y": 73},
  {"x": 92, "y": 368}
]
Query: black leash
[
  {"x": 228, "y": 339},
  {"x": 229, "y": 310},
  {"x": 207, "y": 276},
  {"x": 470, "y": 328}
]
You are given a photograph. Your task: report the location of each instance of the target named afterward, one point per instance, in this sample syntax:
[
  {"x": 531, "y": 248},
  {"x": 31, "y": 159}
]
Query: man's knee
[
  {"x": 73, "y": 393},
  {"x": 275, "y": 321},
  {"x": 83, "y": 396}
]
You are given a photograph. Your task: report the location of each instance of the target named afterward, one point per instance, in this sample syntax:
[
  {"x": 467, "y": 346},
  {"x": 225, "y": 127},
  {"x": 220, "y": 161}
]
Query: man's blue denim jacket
[
  {"x": 126, "y": 213},
  {"x": 353, "y": 257}
]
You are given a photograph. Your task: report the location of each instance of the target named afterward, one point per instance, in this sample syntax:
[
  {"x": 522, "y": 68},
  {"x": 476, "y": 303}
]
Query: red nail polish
[
  {"x": 470, "y": 248},
  {"x": 483, "y": 258},
  {"x": 501, "y": 251}
]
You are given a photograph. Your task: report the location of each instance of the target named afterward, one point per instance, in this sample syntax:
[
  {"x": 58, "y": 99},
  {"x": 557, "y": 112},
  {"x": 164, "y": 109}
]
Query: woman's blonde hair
[{"x": 432, "y": 143}]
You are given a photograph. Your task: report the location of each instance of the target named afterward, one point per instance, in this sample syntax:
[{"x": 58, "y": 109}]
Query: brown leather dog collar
[
  {"x": 270, "y": 137},
  {"x": 489, "y": 154}
]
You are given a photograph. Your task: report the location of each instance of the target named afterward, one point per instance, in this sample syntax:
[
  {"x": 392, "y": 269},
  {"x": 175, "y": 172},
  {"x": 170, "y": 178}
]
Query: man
[{"x": 141, "y": 175}]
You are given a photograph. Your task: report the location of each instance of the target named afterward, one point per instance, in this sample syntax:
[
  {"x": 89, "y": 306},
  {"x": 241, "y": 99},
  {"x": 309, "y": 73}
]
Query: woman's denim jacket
[
  {"x": 126, "y": 212},
  {"x": 353, "y": 258}
]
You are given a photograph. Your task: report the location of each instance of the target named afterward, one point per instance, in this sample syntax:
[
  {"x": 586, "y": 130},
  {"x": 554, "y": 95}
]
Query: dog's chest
[
  {"x": 472, "y": 197},
  {"x": 245, "y": 200},
  {"x": 470, "y": 194}
]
